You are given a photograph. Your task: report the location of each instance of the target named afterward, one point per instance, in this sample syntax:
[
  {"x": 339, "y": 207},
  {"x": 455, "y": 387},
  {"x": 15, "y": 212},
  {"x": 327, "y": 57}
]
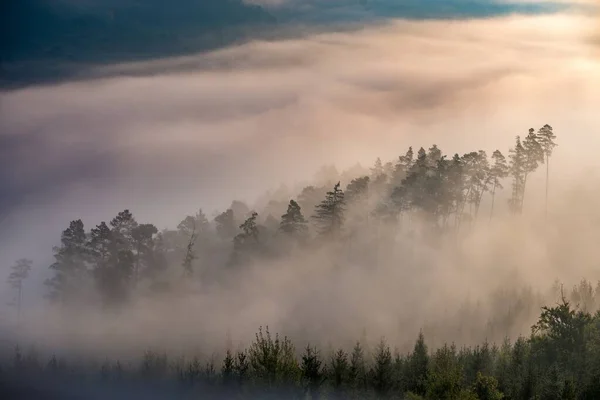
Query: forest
[{"x": 394, "y": 215}]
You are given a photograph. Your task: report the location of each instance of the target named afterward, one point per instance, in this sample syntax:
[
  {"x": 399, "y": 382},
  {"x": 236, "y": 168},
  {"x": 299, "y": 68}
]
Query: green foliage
[
  {"x": 272, "y": 360},
  {"x": 313, "y": 374},
  {"x": 486, "y": 388},
  {"x": 382, "y": 371},
  {"x": 445, "y": 377}
]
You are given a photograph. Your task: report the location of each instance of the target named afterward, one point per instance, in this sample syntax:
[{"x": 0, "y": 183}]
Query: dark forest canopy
[{"x": 560, "y": 359}]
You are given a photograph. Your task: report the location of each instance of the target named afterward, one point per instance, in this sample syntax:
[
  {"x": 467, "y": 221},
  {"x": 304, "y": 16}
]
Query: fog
[{"x": 163, "y": 138}]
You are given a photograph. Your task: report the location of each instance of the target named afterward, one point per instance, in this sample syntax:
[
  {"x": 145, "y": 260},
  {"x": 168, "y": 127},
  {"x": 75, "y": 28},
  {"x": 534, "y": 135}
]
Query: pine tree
[
  {"x": 534, "y": 156},
  {"x": 358, "y": 371},
  {"x": 19, "y": 272},
  {"x": 329, "y": 215},
  {"x": 70, "y": 265},
  {"x": 402, "y": 167},
  {"x": 486, "y": 388},
  {"x": 312, "y": 371},
  {"x": 517, "y": 170},
  {"x": 247, "y": 242},
  {"x": 498, "y": 171},
  {"x": 226, "y": 224},
  {"x": 382, "y": 371},
  {"x": 546, "y": 139},
  {"x": 417, "y": 368},
  {"x": 339, "y": 373},
  {"x": 143, "y": 243},
  {"x": 293, "y": 222},
  {"x": 357, "y": 191},
  {"x": 377, "y": 169},
  {"x": 190, "y": 254},
  {"x": 112, "y": 264}
]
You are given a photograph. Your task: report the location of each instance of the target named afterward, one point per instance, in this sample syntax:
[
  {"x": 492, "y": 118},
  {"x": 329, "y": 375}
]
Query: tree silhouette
[
  {"x": 18, "y": 273},
  {"x": 497, "y": 172},
  {"x": 70, "y": 264},
  {"x": 534, "y": 156},
  {"x": 293, "y": 222},
  {"x": 226, "y": 224},
  {"x": 546, "y": 139},
  {"x": 329, "y": 214},
  {"x": 190, "y": 255},
  {"x": 517, "y": 170}
]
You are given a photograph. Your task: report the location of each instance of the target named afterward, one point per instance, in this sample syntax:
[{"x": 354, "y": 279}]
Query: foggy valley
[{"x": 400, "y": 207}]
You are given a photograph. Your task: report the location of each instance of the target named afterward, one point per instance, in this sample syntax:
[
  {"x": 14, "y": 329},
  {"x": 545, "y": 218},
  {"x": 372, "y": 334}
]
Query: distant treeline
[{"x": 560, "y": 360}]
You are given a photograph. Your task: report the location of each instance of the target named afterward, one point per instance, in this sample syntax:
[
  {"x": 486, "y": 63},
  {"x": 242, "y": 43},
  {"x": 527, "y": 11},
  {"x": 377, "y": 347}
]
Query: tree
[
  {"x": 377, "y": 169},
  {"x": 247, "y": 242},
  {"x": 143, "y": 243},
  {"x": 293, "y": 222},
  {"x": 445, "y": 375},
  {"x": 272, "y": 360},
  {"x": 534, "y": 156},
  {"x": 357, "y": 190},
  {"x": 517, "y": 170},
  {"x": 226, "y": 227},
  {"x": 197, "y": 223},
  {"x": 402, "y": 167},
  {"x": 313, "y": 374},
  {"x": 498, "y": 171},
  {"x": 476, "y": 171},
  {"x": 112, "y": 261},
  {"x": 382, "y": 371},
  {"x": 357, "y": 195},
  {"x": 358, "y": 371},
  {"x": 19, "y": 272},
  {"x": 70, "y": 265},
  {"x": 417, "y": 367},
  {"x": 486, "y": 388},
  {"x": 190, "y": 255},
  {"x": 339, "y": 373},
  {"x": 329, "y": 214},
  {"x": 546, "y": 139}
]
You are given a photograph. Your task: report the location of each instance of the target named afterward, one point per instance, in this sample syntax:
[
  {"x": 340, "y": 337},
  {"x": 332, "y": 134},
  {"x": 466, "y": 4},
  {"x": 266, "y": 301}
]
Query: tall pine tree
[{"x": 329, "y": 214}]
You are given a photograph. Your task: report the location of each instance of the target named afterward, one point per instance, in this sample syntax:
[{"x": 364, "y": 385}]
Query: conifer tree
[
  {"x": 534, "y": 156},
  {"x": 339, "y": 373},
  {"x": 313, "y": 374},
  {"x": 402, "y": 167},
  {"x": 546, "y": 138},
  {"x": 190, "y": 254},
  {"x": 225, "y": 222},
  {"x": 377, "y": 169},
  {"x": 293, "y": 222},
  {"x": 417, "y": 367},
  {"x": 498, "y": 171},
  {"x": 143, "y": 243},
  {"x": 329, "y": 214},
  {"x": 18, "y": 273},
  {"x": 382, "y": 371},
  {"x": 517, "y": 170},
  {"x": 247, "y": 242},
  {"x": 358, "y": 371},
  {"x": 70, "y": 264},
  {"x": 357, "y": 191}
]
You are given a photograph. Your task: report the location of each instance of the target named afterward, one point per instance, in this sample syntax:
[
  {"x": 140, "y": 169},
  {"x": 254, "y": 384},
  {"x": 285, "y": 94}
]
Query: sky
[{"x": 163, "y": 137}]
